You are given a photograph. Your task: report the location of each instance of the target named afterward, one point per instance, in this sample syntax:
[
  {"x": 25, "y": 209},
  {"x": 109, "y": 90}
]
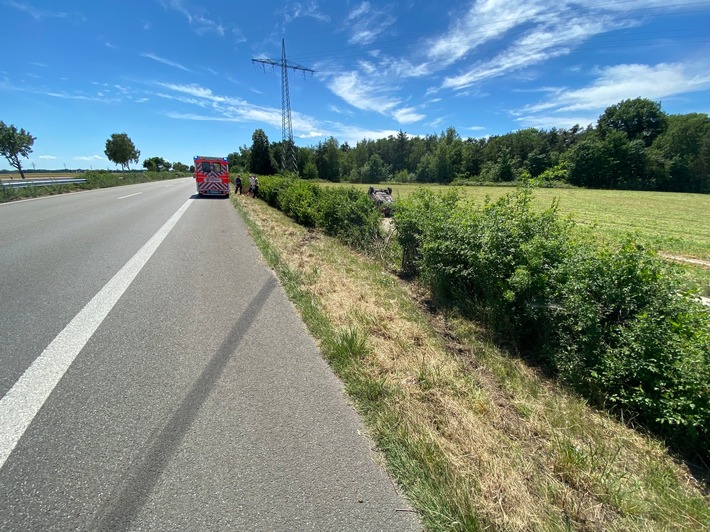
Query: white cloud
[
  {"x": 195, "y": 16},
  {"x": 224, "y": 108},
  {"x": 407, "y": 115},
  {"x": 47, "y": 157},
  {"x": 484, "y": 21},
  {"x": 620, "y": 82},
  {"x": 359, "y": 92},
  {"x": 366, "y": 23},
  {"x": 168, "y": 62},
  {"x": 89, "y": 158},
  {"x": 613, "y": 84},
  {"x": 555, "y": 37},
  {"x": 309, "y": 9},
  {"x": 35, "y": 13}
]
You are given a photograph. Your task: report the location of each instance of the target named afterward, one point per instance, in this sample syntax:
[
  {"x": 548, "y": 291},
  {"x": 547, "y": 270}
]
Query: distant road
[{"x": 155, "y": 377}]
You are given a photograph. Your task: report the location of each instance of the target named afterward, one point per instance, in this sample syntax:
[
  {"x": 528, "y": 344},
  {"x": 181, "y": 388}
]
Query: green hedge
[
  {"x": 610, "y": 321},
  {"x": 346, "y": 214}
]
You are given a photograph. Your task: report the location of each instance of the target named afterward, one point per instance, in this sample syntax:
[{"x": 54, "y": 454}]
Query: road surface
[{"x": 155, "y": 377}]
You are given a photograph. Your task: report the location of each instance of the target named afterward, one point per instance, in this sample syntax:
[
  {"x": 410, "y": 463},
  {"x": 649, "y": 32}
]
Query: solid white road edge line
[{"x": 21, "y": 404}]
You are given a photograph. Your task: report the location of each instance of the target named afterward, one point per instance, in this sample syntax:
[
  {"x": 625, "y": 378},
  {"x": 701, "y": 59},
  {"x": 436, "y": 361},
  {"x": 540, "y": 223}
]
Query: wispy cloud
[
  {"x": 196, "y": 17},
  {"x": 222, "y": 108},
  {"x": 361, "y": 93},
  {"x": 308, "y": 9},
  {"x": 366, "y": 22},
  {"x": 372, "y": 90},
  {"x": 532, "y": 49},
  {"x": 407, "y": 115},
  {"x": 164, "y": 61},
  {"x": 34, "y": 12},
  {"x": 89, "y": 158},
  {"x": 211, "y": 107},
  {"x": 613, "y": 84},
  {"x": 47, "y": 157}
]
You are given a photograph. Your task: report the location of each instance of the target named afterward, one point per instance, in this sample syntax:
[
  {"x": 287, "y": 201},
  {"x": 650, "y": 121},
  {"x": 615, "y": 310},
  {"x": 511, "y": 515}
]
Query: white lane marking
[
  {"x": 21, "y": 404},
  {"x": 167, "y": 186},
  {"x": 136, "y": 194}
]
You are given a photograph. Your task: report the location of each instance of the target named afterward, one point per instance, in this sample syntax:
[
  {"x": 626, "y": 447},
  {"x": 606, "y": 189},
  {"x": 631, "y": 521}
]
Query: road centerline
[
  {"x": 130, "y": 195},
  {"x": 22, "y": 402}
]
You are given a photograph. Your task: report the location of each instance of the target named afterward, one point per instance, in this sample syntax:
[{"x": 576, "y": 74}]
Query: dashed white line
[
  {"x": 20, "y": 405},
  {"x": 136, "y": 194}
]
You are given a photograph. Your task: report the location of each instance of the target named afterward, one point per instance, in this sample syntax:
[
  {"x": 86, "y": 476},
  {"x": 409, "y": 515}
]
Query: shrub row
[
  {"x": 346, "y": 214},
  {"x": 608, "y": 320}
]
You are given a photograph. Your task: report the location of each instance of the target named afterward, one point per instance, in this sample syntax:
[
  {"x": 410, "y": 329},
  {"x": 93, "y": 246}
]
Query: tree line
[
  {"x": 634, "y": 145},
  {"x": 120, "y": 150}
]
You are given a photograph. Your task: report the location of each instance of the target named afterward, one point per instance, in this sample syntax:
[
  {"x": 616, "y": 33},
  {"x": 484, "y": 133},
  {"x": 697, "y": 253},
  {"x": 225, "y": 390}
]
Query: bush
[
  {"x": 346, "y": 214},
  {"x": 626, "y": 338},
  {"x": 608, "y": 321},
  {"x": 350, "y": 215},
  {"x": 300, "y": 201}
]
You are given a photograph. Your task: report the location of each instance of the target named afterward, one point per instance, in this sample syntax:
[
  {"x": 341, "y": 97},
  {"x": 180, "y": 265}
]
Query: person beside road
[
  {"x": 251, "y": 185},
  {"x": 255, "y": 192},
  {"x": 238, "y": 184}
]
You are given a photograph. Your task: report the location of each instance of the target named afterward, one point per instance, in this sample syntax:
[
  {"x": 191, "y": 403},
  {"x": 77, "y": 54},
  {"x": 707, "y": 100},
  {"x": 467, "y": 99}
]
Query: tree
[
  {"x": 328, "y": 160},
  {"x": 14, "y": 143},
  {"x": 260, "y": 160},
  {"x": 640, "y": 119},
  {"x": 121, "y": 150},
  {"x": 156, "y": 164},
  {"x": 374, "y": 171},
  {"x": 179, "y": 167}
]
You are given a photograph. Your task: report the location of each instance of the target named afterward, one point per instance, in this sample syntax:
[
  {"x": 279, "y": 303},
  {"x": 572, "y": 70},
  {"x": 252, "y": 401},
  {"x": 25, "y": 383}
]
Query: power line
[{"x": 288, "y": 152}]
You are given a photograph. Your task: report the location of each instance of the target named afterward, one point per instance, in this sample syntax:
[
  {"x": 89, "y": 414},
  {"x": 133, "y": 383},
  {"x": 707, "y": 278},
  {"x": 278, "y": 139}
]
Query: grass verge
[{"x": 474, "y": 437}]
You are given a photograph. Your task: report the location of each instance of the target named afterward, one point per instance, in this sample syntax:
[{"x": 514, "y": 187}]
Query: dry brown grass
[{"x": 514, "y": 450}]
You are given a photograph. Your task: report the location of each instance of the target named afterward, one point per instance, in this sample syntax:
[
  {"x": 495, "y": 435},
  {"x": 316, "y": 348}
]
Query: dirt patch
[{"x": 687, "y": 260}]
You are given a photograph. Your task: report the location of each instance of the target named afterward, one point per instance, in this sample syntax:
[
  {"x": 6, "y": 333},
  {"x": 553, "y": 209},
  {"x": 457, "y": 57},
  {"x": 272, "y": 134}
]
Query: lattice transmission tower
[{"x": 288, "y": 153}]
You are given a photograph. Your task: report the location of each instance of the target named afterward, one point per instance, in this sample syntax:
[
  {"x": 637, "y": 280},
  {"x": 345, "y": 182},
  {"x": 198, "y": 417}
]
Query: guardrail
[{"x": 41, "y": 182}]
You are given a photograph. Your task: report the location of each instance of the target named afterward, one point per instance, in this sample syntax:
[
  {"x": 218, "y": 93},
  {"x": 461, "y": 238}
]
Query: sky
[{"x": 178, "y": 76}]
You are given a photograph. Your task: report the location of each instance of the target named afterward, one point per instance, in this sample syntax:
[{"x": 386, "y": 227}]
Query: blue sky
[{"x": 177, "y": 75}]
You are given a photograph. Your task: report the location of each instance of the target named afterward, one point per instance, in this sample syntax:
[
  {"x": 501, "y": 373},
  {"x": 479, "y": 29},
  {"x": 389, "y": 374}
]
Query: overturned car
[{"x": 382, "y": 198}]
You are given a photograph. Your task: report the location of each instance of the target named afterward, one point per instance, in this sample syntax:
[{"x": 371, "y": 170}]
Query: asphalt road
[{"x": 154, "y": 376}]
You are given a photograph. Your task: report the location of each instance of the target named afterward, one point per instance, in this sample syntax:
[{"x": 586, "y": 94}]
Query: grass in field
[{"x": 474, "y": 437}]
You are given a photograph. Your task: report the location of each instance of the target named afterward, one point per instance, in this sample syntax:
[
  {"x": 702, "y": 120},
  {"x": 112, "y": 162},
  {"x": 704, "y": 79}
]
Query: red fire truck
[{"x": 211, "y": 176}]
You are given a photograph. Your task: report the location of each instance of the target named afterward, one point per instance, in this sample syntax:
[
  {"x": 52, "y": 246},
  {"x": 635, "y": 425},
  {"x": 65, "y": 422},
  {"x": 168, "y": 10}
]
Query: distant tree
[
  {"x": 640, "y": 119},
  {"x": 14, "y": 144},
  {"x": 328, "y": 160},
  {"x": 156, "y": 164},
  {"x": 260, "y": 160},
  {"x": 179, "y": 167},
  {"x": 121, "y": 150},
  {"x": 374, "y": 171}
]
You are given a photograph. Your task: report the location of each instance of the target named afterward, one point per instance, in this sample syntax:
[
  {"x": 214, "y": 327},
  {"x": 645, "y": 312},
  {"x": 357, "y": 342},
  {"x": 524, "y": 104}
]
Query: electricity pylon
[{"x": 288, "y": 153}]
